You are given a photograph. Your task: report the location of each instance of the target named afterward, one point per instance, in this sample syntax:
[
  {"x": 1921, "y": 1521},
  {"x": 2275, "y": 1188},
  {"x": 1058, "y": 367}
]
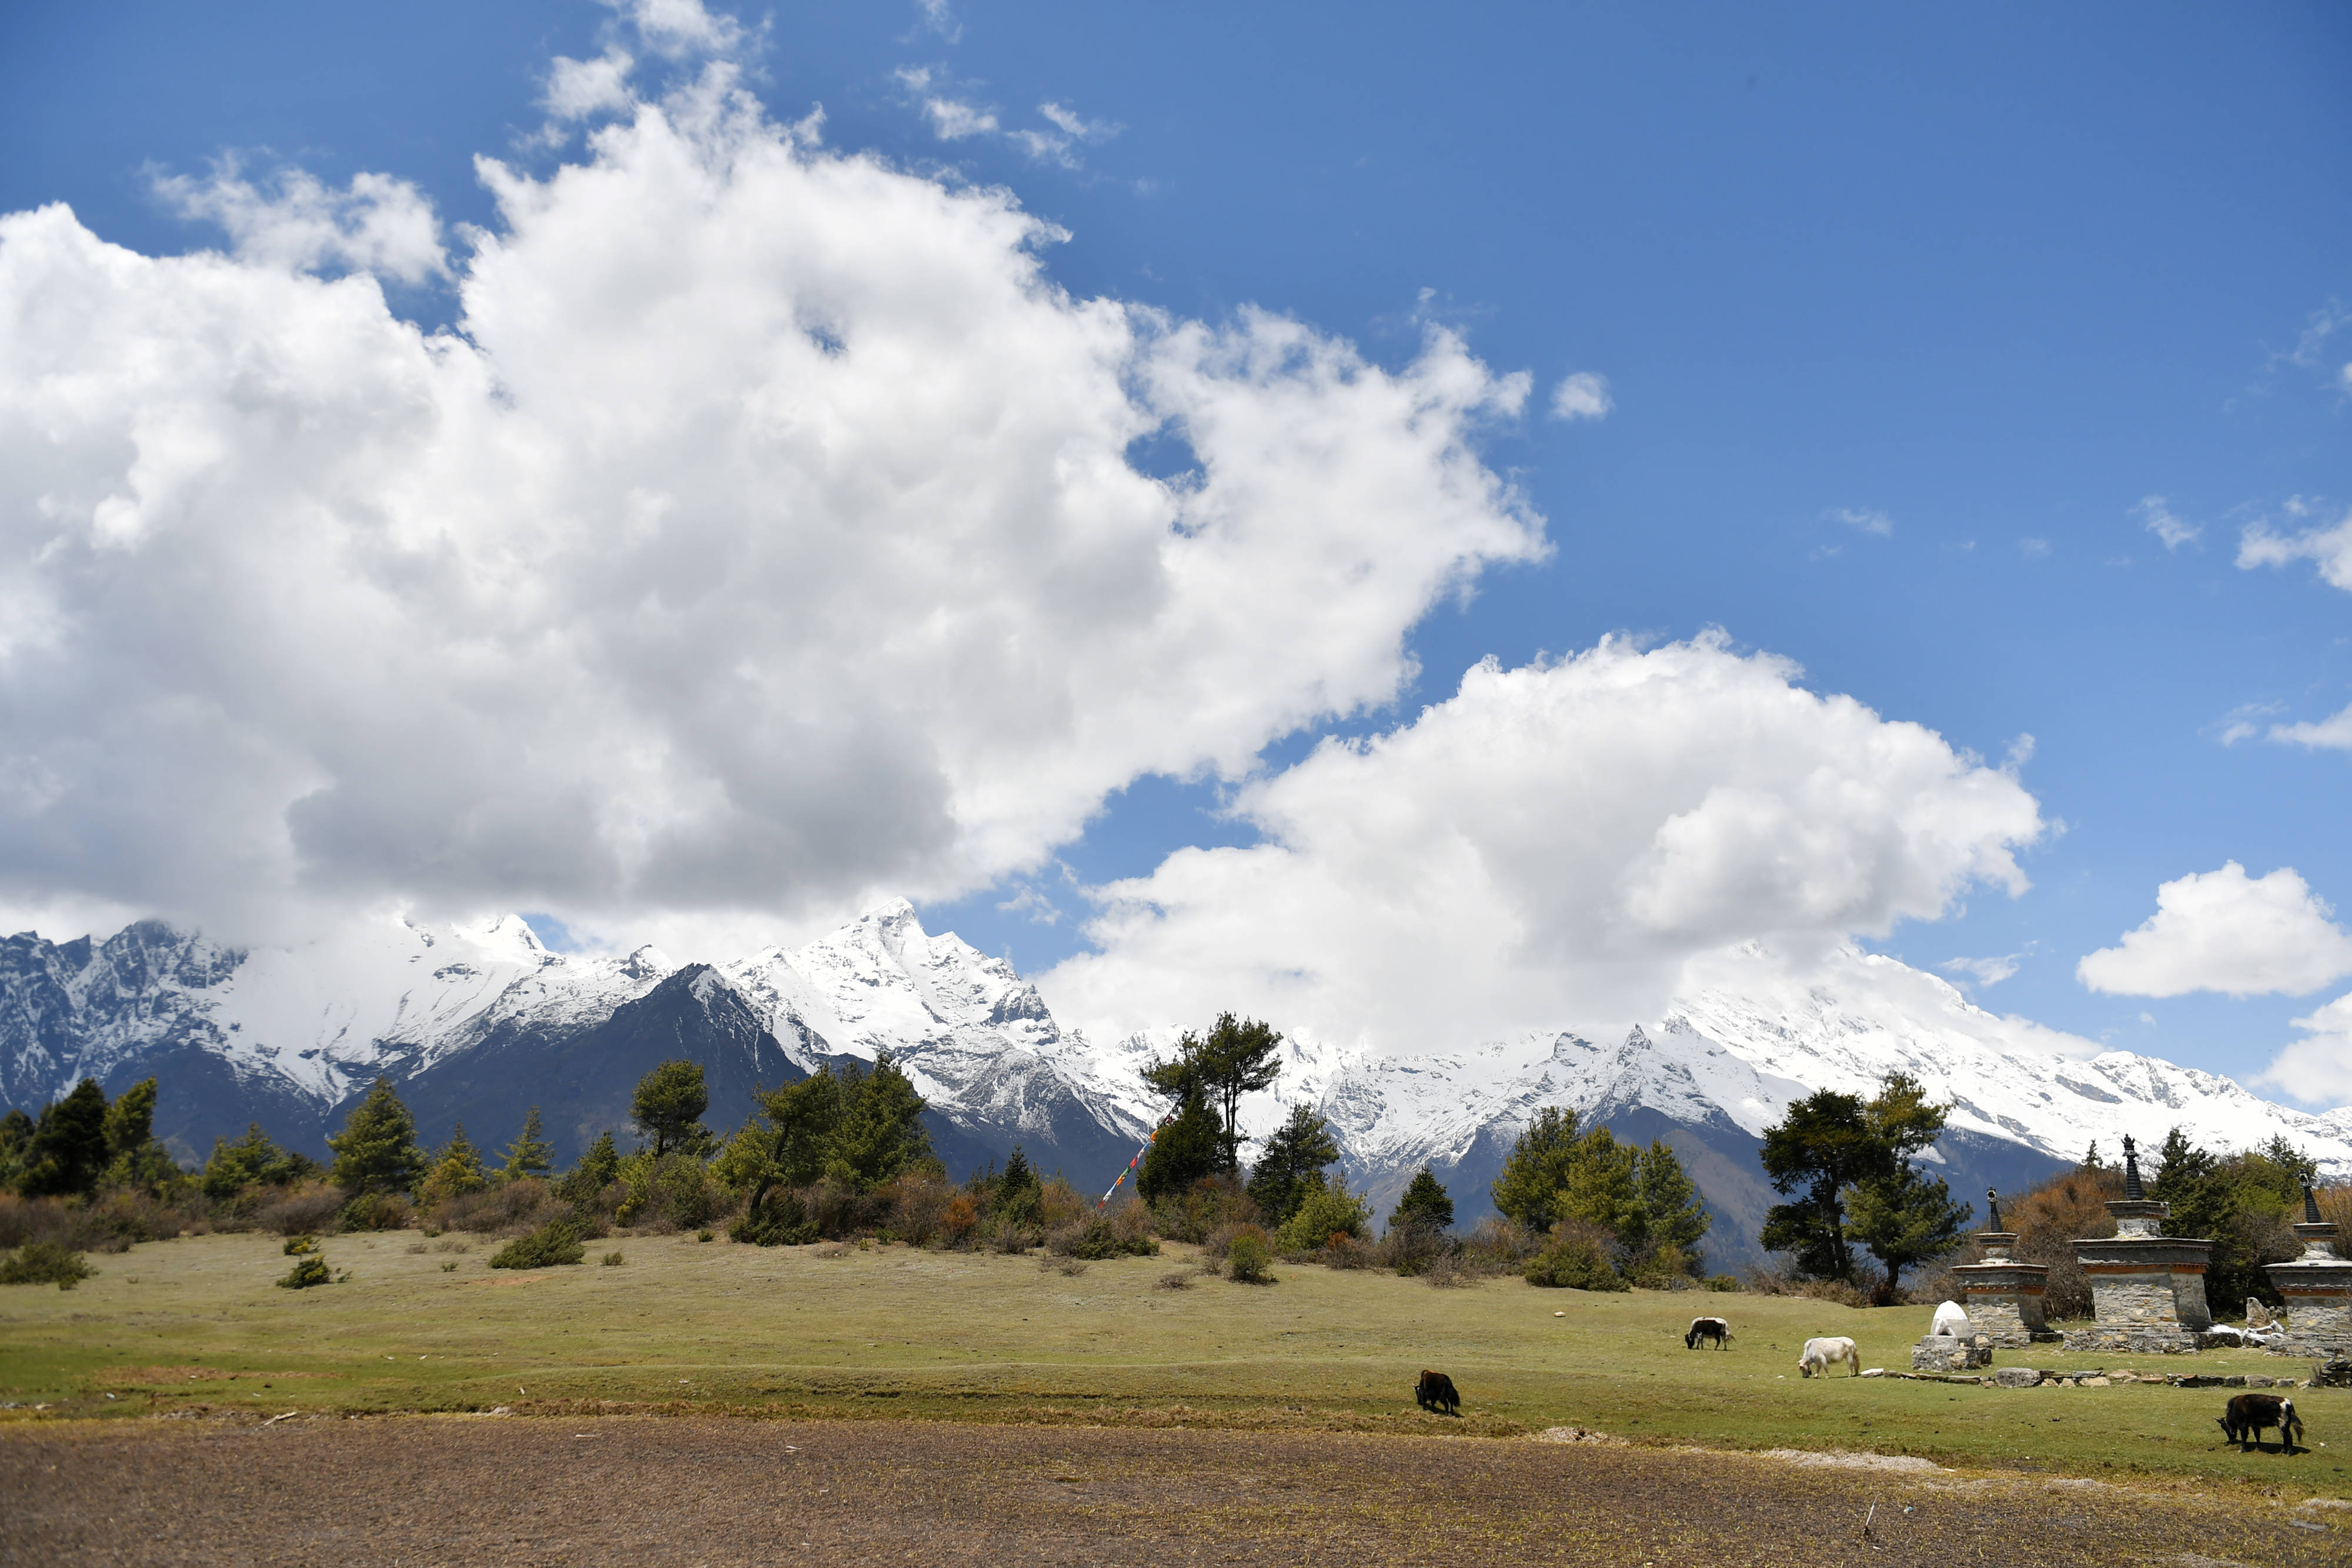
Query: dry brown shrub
[
  {"x": 958, "y": 1220},
  {"x": 1344, "y": 1252},
  {"x": 511, "y": 1208},
  {"x": 304, "y": 1210},
  {"x": 917, "y": 1205},
  {"x": 1180, "y": 1279}
]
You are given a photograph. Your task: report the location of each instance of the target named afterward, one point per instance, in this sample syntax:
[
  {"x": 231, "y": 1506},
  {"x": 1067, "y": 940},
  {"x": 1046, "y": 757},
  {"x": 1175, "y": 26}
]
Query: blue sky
[{"x": 1903, "y": 318}]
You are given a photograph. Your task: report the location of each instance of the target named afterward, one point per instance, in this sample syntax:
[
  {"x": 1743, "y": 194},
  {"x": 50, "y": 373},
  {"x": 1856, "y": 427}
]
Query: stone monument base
[
  {"x": 2132, "y": 1338},
  {"x": 1951, "y": 1353}
]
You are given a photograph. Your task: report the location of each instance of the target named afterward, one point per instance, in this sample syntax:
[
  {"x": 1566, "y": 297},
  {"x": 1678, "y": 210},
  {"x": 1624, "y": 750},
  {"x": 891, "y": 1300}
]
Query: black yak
[
  {"x": 2248, "y": 1414},
  {"x": 1435, "y": 1392}
]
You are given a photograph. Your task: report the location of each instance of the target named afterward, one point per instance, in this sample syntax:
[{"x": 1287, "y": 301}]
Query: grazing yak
[
  {"x": 1713, "y": 1330},
  {"x": 1821, "y": 1355},
  {"x": 2248, "y": 1414},
  {"x": 1435, "y": 1392}
]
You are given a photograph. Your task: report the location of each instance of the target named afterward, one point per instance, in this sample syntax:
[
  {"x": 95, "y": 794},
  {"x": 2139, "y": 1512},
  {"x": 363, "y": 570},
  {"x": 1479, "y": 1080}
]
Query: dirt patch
[
  {"x": 658, "y": 1492},
  {"x": 1810, "y": 1459}
]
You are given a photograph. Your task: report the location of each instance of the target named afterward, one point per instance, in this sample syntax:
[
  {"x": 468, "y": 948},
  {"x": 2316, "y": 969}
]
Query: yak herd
[{"x": 2248, "y": 1415}]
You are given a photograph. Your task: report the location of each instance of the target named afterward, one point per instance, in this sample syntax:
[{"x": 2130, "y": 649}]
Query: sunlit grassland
[{"x": 714, "y": 1326}]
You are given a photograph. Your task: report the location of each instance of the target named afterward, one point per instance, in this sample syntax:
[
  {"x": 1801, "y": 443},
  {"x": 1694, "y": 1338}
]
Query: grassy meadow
[{"x": 681, "y": 1325}]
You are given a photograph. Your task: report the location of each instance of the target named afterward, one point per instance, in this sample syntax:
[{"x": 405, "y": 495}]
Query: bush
[
  {"x": 1573, "y": 1261},
  {"x": 375, "y": 1211},
  {"x": 556, "y": 1242},
  {"x": 297, "y": 1246},
  {"x": 1248, "y": 1255},
  {"x": 44, "y": 1263},
  {"x": 917, "y": 1204},
  {"x": 611, "y": 1261},
  {"x": 1411, "y": 1249},
  {"x": 1767, "y": 1282},
  {"x": 1181, "y": 1280},
  {"x": 1101, "y": 1237},
  {"x": 1207, "y": 1205},
  {"x": 507, "y": 1209},
  {"x": 1342, "y": 1252},
  {"x": 669, "y": 1192},
  {"x": 1326, "y": 1209},
  {"x": 307, "y": 1272},
  {"x": 781, "y": 1219},
  {"x": 304, "y": 1211},
  {"x": 1720, "y": 1282}
]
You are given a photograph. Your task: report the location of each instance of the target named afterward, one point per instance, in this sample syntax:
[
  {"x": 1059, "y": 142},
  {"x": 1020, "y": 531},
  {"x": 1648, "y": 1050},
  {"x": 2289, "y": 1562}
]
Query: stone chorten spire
[
  {"x": 2133, "y": 1191},
  {"x": 1992, "y": 1206},
  {"x": 2310, "y": 1206}
]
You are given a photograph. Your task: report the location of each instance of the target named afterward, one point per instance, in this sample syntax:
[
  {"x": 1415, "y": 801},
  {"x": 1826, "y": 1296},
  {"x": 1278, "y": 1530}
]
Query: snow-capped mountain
[{"x": 477, "y": 1023}]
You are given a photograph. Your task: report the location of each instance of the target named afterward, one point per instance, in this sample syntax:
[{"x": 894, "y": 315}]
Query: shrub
[
  {"x": 44, "y": 1263},
  {"x": 1101, "y": 1237},
  {"x": 1343, "y": 1251},
  {"x": 1326, "y": 1210},
  {"x": 1248, "y": 1255},
  {"x": 375, "y": 1211},
  {"x": 1181, "y": 1280},
  {"x": 1577, "y": 1259},
  {"x": 959, "y": 1219},
  {"x": 507, "y": 1209},
  {"x": 611, "y": 1261},
  {"x": 669, "y": 1192},
  {"x": 304, "y": 1211},
  {"x": 1720, "y": 1282},
  {"x": 703, "y": 1235},
  {"x": 1411, "y": 1249},
  {"x": 1207, "y": 1205},
  {"x": 1067, "y": 1265},
  {"x": 556, "y": 1242},
  {"x": 307, "y": 1272},
  {"x": 917, "y": 1204},
  {"x": 297, "y": 1246},
  {"x": 1450, "y": 1271},
  {"x": 781, "y": 1219},
  {"x": 1767, "y": 1282}
]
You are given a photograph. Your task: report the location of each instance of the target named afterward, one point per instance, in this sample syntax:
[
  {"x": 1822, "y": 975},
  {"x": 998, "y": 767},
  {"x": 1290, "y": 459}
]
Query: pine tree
[
  {"x": 527, "y": 1155},
  {"x": 597, "y": 1169},
  {"x": 1823, "y": 1145},
  {"x": 67, "y": 1153},
  {"x": 457, "y": 1170},
  {"x": 1188, "y": 1148},
  {"x": 1237, "y": 1057},
  {"x": 376, "y": 1151},
  {"x": 1295, "y": 1150},
  {"x": 1674, "y": 1213},
  {"x": 667, "y": 1108},
  {"x": 1535, "y": 1176},
  {"x": 1425, "y": 1204},
  {"x": 1601, "y": 1188},
  {"x": 1018, "y": 1191}
]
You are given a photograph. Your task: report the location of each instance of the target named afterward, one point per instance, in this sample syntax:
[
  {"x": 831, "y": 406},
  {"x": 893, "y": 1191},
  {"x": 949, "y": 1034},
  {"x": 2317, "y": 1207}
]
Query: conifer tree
[
  {"x": 527, "y": 1154},
  {"x": 376, "y": 1151},
  {"x": 669, "y": 1107},
  {"x": 67, "y": 1153},
  {"x": 598, "y": 1169},
  {"x": 457, "y": 1170},
  {"x": 1425, "y": 1204},
  {"x": 1534, "y": 1178},
  {"x": 1295, "y": 1150}
]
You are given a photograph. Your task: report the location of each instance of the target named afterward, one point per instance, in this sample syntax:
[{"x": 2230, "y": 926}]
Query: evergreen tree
[
  {"x": 1823, "y": 1146},
  {"x": 1674, "y": 1214},
  {"x": 1188, "y": 1148},
  {"x": 16, "y": 1143},
  {"x": 599, "y": 1168},
  {"x": 669, "y": 1107},
  {"x": 1534, "y": 1178},
  {"x": 250, "y": 1160},
  {"x": 881, "y": 1136},
  {"x": 67, "y": 1153},
  {"x": 457, "y": 1170},
  {"x": 131, "y": 1120},
  {"x": 1903, "y": 1214},
  {"x": 527, "y": 1155},
  {"x": 376, "y": 1151},
  {"x": 1601, "y": 1188},
  {"x": 1018, "y": 1192},
  {"x": 1237, "y": 1057},
  {"x": 1425, "y": 1204},
  {"x": 1298, "y": 1149}
]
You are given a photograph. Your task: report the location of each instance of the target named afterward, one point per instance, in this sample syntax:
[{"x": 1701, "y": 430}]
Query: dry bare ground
[{"x": 407, "y": 1489}]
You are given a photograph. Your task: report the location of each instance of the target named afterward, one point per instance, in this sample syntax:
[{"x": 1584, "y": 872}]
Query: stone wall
[{"x": 2318, "y": 1326}]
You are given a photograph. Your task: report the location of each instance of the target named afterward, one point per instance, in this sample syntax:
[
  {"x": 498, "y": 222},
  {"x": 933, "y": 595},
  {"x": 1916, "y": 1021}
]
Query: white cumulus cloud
[
  {"x": 2225, "y": 931},
  {"x": 2316, "y": 1069},
  {"x": 2331, "y": 734},
  {"x": 375, "y": 223},
  {"x": 2328, "y": 546},
  {"x": 1547, "y": 848},
  {"x": 763, "y": 544},
  {"x": 2160, "y": 520},
  {"x": 1584, "y": 395},
  {"x": 1863, "y": 519}
]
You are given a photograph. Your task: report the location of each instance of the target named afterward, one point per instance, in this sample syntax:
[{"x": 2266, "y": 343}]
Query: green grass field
[{"x": 716, "y": 1327}]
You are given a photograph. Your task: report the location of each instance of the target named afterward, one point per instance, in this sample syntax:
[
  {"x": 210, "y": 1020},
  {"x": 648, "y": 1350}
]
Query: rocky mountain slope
[{"x": 480, "y": 1022}]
